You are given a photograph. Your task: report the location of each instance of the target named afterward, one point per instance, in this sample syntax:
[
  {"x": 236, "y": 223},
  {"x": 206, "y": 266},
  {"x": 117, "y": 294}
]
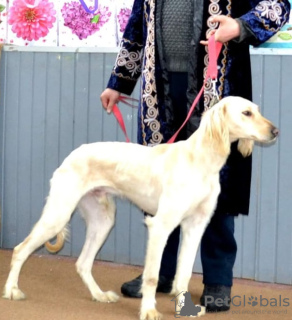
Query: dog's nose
[{"x": 275, "y": 132}]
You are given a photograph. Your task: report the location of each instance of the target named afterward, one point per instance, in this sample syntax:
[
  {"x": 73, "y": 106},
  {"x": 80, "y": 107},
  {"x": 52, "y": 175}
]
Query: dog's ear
[
  {"x": 245, "y": 146},
  {"x": 217, "y": 129}
]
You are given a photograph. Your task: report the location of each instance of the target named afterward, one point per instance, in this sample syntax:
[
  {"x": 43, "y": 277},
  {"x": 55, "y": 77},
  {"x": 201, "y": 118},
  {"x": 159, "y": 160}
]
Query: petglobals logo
[
  {"x": 253, "y": 301},
  {"x": 243, "y": 301},
  {"x": 252, "y": 304}
]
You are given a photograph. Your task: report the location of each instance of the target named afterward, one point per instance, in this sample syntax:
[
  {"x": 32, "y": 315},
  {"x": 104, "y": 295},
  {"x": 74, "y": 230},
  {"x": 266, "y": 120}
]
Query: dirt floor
[{"x": 55, "y": 291}]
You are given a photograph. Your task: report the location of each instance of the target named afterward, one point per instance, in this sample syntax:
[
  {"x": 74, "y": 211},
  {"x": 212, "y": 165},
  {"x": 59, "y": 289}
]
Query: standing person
[{"x": 165, "y": 43}]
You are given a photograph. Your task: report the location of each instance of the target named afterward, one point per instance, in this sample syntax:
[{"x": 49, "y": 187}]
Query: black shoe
[
  {"x": 216, "y": 298},
  {"x": 132, "y": 288}
]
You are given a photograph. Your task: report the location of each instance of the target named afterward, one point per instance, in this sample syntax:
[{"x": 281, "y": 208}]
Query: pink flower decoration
[
  {"x": 123, "y": 18},
  {"x": 31, "y": 23},
  {"x": 79, "y": 21}
]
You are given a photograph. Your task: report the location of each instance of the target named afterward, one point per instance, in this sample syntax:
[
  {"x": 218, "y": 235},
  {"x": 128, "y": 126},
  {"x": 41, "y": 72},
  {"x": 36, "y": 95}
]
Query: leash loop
[{"x": 117, "y": 113}]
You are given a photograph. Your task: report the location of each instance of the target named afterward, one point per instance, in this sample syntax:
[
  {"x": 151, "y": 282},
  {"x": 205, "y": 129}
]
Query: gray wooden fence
[{"x": 49, "y": 105}]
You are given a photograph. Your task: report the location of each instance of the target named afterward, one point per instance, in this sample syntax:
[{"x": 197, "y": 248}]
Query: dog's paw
[
  {"x": 202, "y": 312},
  {"x": 151, "y": 314},
  {"x": 173, "y": 292},
  {"x": 111, "y": 296},
  {"x": 13, "y": 294},
  {"x": 108, "y": 296}
]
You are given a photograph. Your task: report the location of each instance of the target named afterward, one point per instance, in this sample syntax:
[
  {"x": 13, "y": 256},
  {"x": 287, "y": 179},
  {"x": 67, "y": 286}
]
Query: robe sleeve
[
  {"x": 128, "y": 65},
  {"x": 265, "y": 19}
]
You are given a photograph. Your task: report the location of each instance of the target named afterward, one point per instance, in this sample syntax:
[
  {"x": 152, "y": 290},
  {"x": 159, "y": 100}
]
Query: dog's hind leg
[
  {"x": 57, "y": 212},
  {"x": 98, "y": 211},
  {"x": 41, "y": 233}
]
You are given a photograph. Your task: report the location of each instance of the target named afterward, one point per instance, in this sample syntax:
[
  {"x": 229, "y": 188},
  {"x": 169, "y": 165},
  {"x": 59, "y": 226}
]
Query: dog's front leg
[
  {"x": 157, "y": 236},
  {"x": 192, "y": 231}
]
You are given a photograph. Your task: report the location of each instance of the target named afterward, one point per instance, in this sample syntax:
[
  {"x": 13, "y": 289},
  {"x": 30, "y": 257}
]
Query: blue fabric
[
  {"x": 122, "y": 79},
  {"x": 264, "y": 19},
  {"x": 218, "y": 251}
]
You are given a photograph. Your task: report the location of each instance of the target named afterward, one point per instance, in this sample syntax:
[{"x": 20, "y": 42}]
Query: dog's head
[{"x": 235, "y": 118}]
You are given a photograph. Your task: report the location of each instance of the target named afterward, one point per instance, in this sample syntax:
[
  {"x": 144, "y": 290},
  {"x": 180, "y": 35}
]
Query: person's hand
[
  {"x": 228, "y": 29},
  {"x": 109, "y": 98}
]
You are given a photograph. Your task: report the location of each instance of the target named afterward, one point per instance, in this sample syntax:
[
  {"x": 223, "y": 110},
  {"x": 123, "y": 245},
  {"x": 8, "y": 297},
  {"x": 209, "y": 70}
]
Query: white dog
[{"x": 176, "y": 183}]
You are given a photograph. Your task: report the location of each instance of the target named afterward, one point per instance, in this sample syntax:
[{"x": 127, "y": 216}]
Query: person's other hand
[
  {"x": 228, "y": 29},
  {"x": 109, "y": 98}
]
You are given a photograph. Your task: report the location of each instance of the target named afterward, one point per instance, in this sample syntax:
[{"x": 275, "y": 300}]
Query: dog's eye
[{"x": 247, "y": 113}]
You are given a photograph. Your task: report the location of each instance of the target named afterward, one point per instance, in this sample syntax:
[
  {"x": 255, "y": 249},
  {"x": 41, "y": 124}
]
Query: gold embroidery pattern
[
  {"x": 131, "y": 60},
  {"x": 149, "y": 92},
  {"x": 214, "y": 9},
  {"x": 271, "y": 10}
]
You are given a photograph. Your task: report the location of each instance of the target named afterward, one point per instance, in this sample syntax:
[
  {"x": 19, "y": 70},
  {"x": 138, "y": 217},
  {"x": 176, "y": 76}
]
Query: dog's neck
[{"x": 216, "y": 148}]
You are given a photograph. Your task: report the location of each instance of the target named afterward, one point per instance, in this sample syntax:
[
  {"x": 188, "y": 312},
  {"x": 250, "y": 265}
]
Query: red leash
[
  {"x": 117, "y": 113},
  {"x": 212, "y": 71}
]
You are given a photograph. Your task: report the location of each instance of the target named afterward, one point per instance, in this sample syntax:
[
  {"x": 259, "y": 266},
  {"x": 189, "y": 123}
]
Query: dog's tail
[{"x": 61, "y": 237}]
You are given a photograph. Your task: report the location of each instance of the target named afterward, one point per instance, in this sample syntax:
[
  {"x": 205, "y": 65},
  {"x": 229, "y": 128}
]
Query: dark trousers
[{"x": 218, "y": 246}]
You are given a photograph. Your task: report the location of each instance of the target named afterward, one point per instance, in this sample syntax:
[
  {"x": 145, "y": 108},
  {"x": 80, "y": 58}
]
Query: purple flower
[
  {"x": 80, "y": 22},
  {"x": 123, "y": 18}
]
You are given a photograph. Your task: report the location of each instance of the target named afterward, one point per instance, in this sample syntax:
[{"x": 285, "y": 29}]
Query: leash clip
[
  {"x": 215, "y": 98},
  {"x": 215, "y": 92}
]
